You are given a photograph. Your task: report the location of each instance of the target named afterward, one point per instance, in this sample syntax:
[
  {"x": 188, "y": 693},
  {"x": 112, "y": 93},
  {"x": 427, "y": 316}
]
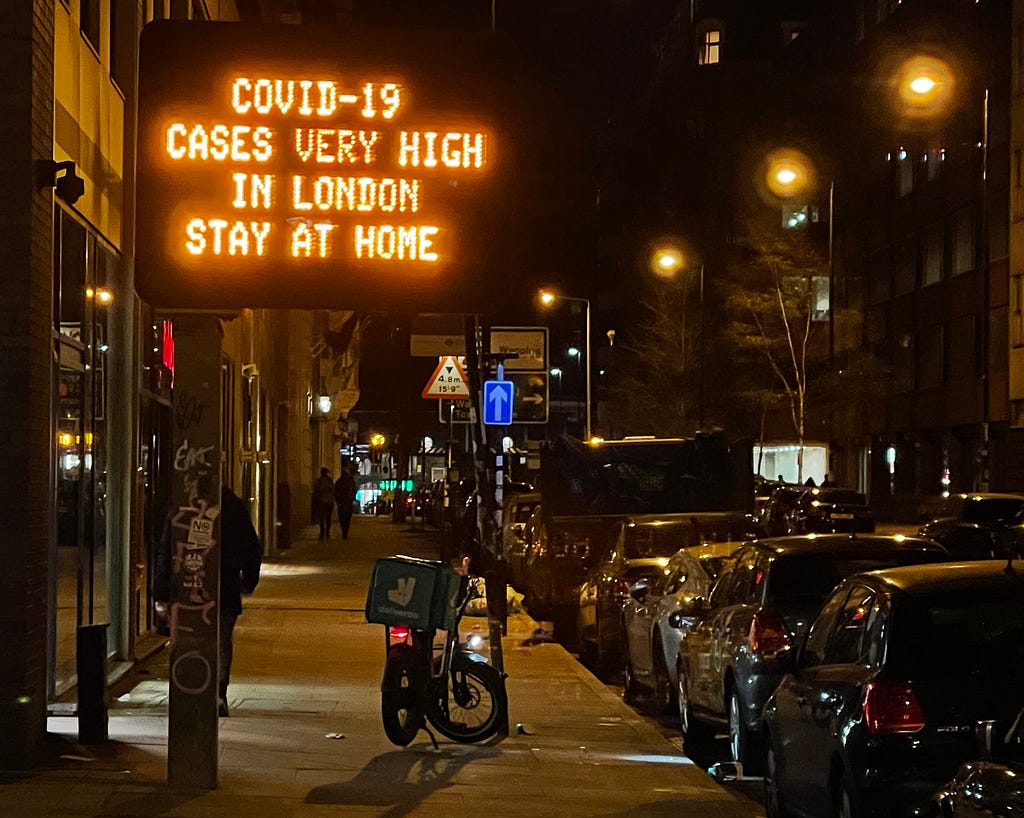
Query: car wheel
[
  {"x": 742, "y": 743},
  {"x": 695, "y": 732},
  {"x": 630, "y": 689},
  {"x": 774, "y": 806},
  {"x": 845, "y": 802}
]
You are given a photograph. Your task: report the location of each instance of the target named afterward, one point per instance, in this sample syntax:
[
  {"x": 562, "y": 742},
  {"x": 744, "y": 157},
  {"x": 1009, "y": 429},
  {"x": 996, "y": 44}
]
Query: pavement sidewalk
[{"x": 304, "y": 737}]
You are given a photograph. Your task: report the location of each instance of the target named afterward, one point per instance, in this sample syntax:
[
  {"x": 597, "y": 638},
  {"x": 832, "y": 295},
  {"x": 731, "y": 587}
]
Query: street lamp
[
  {"x": 666, "y": 262},
  {"x": 548, "y": 298},
  {"x": 926, "y": 86}
]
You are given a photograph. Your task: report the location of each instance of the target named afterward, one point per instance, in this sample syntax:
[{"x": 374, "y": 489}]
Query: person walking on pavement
[
  {"x": 323, "y": 498},
  {"x": 241, "y": 557},
  {"x": 344, "y": 496}
]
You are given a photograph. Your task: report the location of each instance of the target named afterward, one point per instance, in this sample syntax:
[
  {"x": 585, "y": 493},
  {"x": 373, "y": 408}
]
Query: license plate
[{"x": 842, "y": 516}]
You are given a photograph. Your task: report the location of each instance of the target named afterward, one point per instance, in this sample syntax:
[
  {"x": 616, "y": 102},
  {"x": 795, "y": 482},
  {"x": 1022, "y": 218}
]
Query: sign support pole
[
  {"x": 194, "y": 523},
  {"x": 484, "y": 463}
]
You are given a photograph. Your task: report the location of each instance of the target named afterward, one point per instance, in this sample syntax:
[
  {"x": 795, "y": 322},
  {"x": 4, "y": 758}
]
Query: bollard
[{"x": 91, "y": 663}]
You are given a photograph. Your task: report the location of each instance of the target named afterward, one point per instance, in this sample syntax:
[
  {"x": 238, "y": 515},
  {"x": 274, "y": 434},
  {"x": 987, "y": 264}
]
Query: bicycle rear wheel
[
  {"x": 401, "y": 709},
  {"x": 470, "y": 703}
]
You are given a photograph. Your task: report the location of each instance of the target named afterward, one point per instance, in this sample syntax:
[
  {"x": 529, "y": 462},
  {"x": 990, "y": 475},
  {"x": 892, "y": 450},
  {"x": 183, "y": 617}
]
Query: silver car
[{"x": 657, "y": 614}]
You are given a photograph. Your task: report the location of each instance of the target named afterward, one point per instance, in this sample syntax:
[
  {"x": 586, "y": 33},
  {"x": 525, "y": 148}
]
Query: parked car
[
  {"x": 657, "y": 613},
  {"x": 761, "y": 604},
  {"x": 825, "y": 509},
  {"x": 518, "y": 508},
  {"x": 776, "y": 509},
  {"x": 641, "y": 551},
  {"x": 992, "y": 785},
  {"x": 979, "y": 526},
  {"x": 901, "y": 674}
]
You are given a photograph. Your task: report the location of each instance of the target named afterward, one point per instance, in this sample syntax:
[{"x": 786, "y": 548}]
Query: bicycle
[{"x": 447, "y": 685}]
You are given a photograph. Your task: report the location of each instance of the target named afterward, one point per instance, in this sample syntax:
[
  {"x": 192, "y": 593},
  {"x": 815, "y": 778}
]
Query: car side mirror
[{"x": 639, "y": 591}]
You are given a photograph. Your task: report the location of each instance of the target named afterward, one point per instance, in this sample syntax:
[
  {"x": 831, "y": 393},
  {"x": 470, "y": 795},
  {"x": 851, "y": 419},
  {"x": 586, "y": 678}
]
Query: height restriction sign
[{"x": 448, "y": 381}]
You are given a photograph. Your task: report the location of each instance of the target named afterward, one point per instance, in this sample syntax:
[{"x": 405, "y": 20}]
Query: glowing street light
[
  {"x": 548, "y": 298},
  {"x": 666, "y": 261}
]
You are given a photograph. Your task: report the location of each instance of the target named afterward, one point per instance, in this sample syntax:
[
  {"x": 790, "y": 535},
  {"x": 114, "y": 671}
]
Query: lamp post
[
  {"x": 548, "y": 298},
  {"x": 666, "y": 261},
  {"x": 926, "y": 86}
]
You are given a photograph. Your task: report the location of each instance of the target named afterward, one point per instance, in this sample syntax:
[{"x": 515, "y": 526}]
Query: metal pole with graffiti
[{"x": 195, "y": 556}]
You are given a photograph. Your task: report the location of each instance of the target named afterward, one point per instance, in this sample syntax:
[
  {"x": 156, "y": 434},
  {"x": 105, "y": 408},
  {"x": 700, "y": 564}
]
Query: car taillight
[
  {"x": 892, "y": 707},
  {"x": 768, "y": 634}
]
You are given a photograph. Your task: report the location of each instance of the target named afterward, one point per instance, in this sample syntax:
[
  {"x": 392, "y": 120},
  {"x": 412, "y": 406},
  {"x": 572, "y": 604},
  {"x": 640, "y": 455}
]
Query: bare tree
[{"x": 777, "y": 319}]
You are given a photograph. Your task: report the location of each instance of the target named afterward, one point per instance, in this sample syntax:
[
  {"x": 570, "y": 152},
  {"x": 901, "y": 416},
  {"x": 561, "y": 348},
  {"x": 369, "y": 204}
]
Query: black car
[
  {"x": 992, "y": 785},
  {"x": 775, "y": 511},
  {"x": 825, "y": 509},
  {"x": 979, "y": 526},
  {"x": 760, "y": 606},
  {"x": 902, "y": 673}
]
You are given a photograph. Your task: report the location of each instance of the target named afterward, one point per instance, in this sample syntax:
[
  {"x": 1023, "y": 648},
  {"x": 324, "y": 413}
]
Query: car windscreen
[
  {"x": 967, "y": 633},
  {"x": 653, "y": 541},
  {"x": 993, "y": 510},
  {"x": 807, "y": 578}
]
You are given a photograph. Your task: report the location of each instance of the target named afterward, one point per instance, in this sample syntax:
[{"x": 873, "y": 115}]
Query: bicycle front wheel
[
  {"x": 400, "y": 707},
  {"x": 470, "y": 703}
]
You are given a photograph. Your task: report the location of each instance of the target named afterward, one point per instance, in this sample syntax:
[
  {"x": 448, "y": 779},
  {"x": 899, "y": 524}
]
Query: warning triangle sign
[{"x": 448, "y": 381}]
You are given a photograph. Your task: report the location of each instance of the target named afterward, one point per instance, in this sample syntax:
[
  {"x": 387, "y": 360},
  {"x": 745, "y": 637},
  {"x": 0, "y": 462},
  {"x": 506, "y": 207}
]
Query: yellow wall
[{"x": 89, "y": 119}]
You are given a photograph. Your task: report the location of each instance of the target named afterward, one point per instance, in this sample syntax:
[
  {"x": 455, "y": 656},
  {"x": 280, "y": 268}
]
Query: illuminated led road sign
[{"x": 293, "y": 166}]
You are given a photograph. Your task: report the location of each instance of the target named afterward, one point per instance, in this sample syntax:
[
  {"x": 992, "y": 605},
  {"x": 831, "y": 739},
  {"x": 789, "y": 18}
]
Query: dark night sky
[{"x": 580, "y": 65}]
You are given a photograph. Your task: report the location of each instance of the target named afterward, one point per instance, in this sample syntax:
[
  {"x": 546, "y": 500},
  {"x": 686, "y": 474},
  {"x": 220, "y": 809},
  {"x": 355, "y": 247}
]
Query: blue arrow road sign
[{"x": 498, "y": 403}]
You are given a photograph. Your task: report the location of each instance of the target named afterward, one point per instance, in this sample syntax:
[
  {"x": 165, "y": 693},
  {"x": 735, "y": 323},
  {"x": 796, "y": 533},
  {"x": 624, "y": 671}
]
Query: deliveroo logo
[{"x": 403, "y": 593}]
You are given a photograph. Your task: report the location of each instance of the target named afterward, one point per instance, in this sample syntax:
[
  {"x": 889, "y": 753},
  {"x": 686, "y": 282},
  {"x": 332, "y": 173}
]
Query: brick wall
[{"x": 26, "y": 256}]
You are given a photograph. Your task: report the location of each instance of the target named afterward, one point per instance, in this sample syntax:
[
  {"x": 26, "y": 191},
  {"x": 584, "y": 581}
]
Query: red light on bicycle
[{"x": 400, "y": 632}]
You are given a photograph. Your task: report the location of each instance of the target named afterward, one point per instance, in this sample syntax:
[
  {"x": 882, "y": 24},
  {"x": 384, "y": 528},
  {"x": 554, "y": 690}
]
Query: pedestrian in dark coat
[
  {"x": 323, "y": 499},
  {"x": 241, "y": 556},
  {"x": 344, "y": 496}
]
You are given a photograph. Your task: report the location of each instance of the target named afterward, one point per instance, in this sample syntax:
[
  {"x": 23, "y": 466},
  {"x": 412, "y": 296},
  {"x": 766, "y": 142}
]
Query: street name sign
[{"x": 529, "y": 344}]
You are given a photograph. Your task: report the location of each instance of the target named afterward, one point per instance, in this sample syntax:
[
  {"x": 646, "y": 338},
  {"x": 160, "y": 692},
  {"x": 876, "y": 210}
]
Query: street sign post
[{"x": 497, "y": 402}]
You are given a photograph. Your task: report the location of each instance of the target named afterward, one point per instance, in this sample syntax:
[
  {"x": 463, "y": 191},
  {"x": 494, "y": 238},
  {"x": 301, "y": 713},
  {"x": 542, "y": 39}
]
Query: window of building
[
  {"x": 819, "y": 298},
  {"x": 710, "y": 47},
  {"x": 89, "y": 21},
  {"x": 904, "y": 172},
  {"x": 905, "y": 264},
  {"x": 903, "y": 364},
  {"x": 962, "y": 229},
  {"x": 934, "y": 161},
  {"x": 932, "y": 255},
  {"x": 931, "y": 357},
  {"x": 963, "y": 338}
]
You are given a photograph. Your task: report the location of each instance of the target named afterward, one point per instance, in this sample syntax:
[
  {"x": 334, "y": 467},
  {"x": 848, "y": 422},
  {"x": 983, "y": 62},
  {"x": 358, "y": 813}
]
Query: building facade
[{"x": 88, "y": 368}]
